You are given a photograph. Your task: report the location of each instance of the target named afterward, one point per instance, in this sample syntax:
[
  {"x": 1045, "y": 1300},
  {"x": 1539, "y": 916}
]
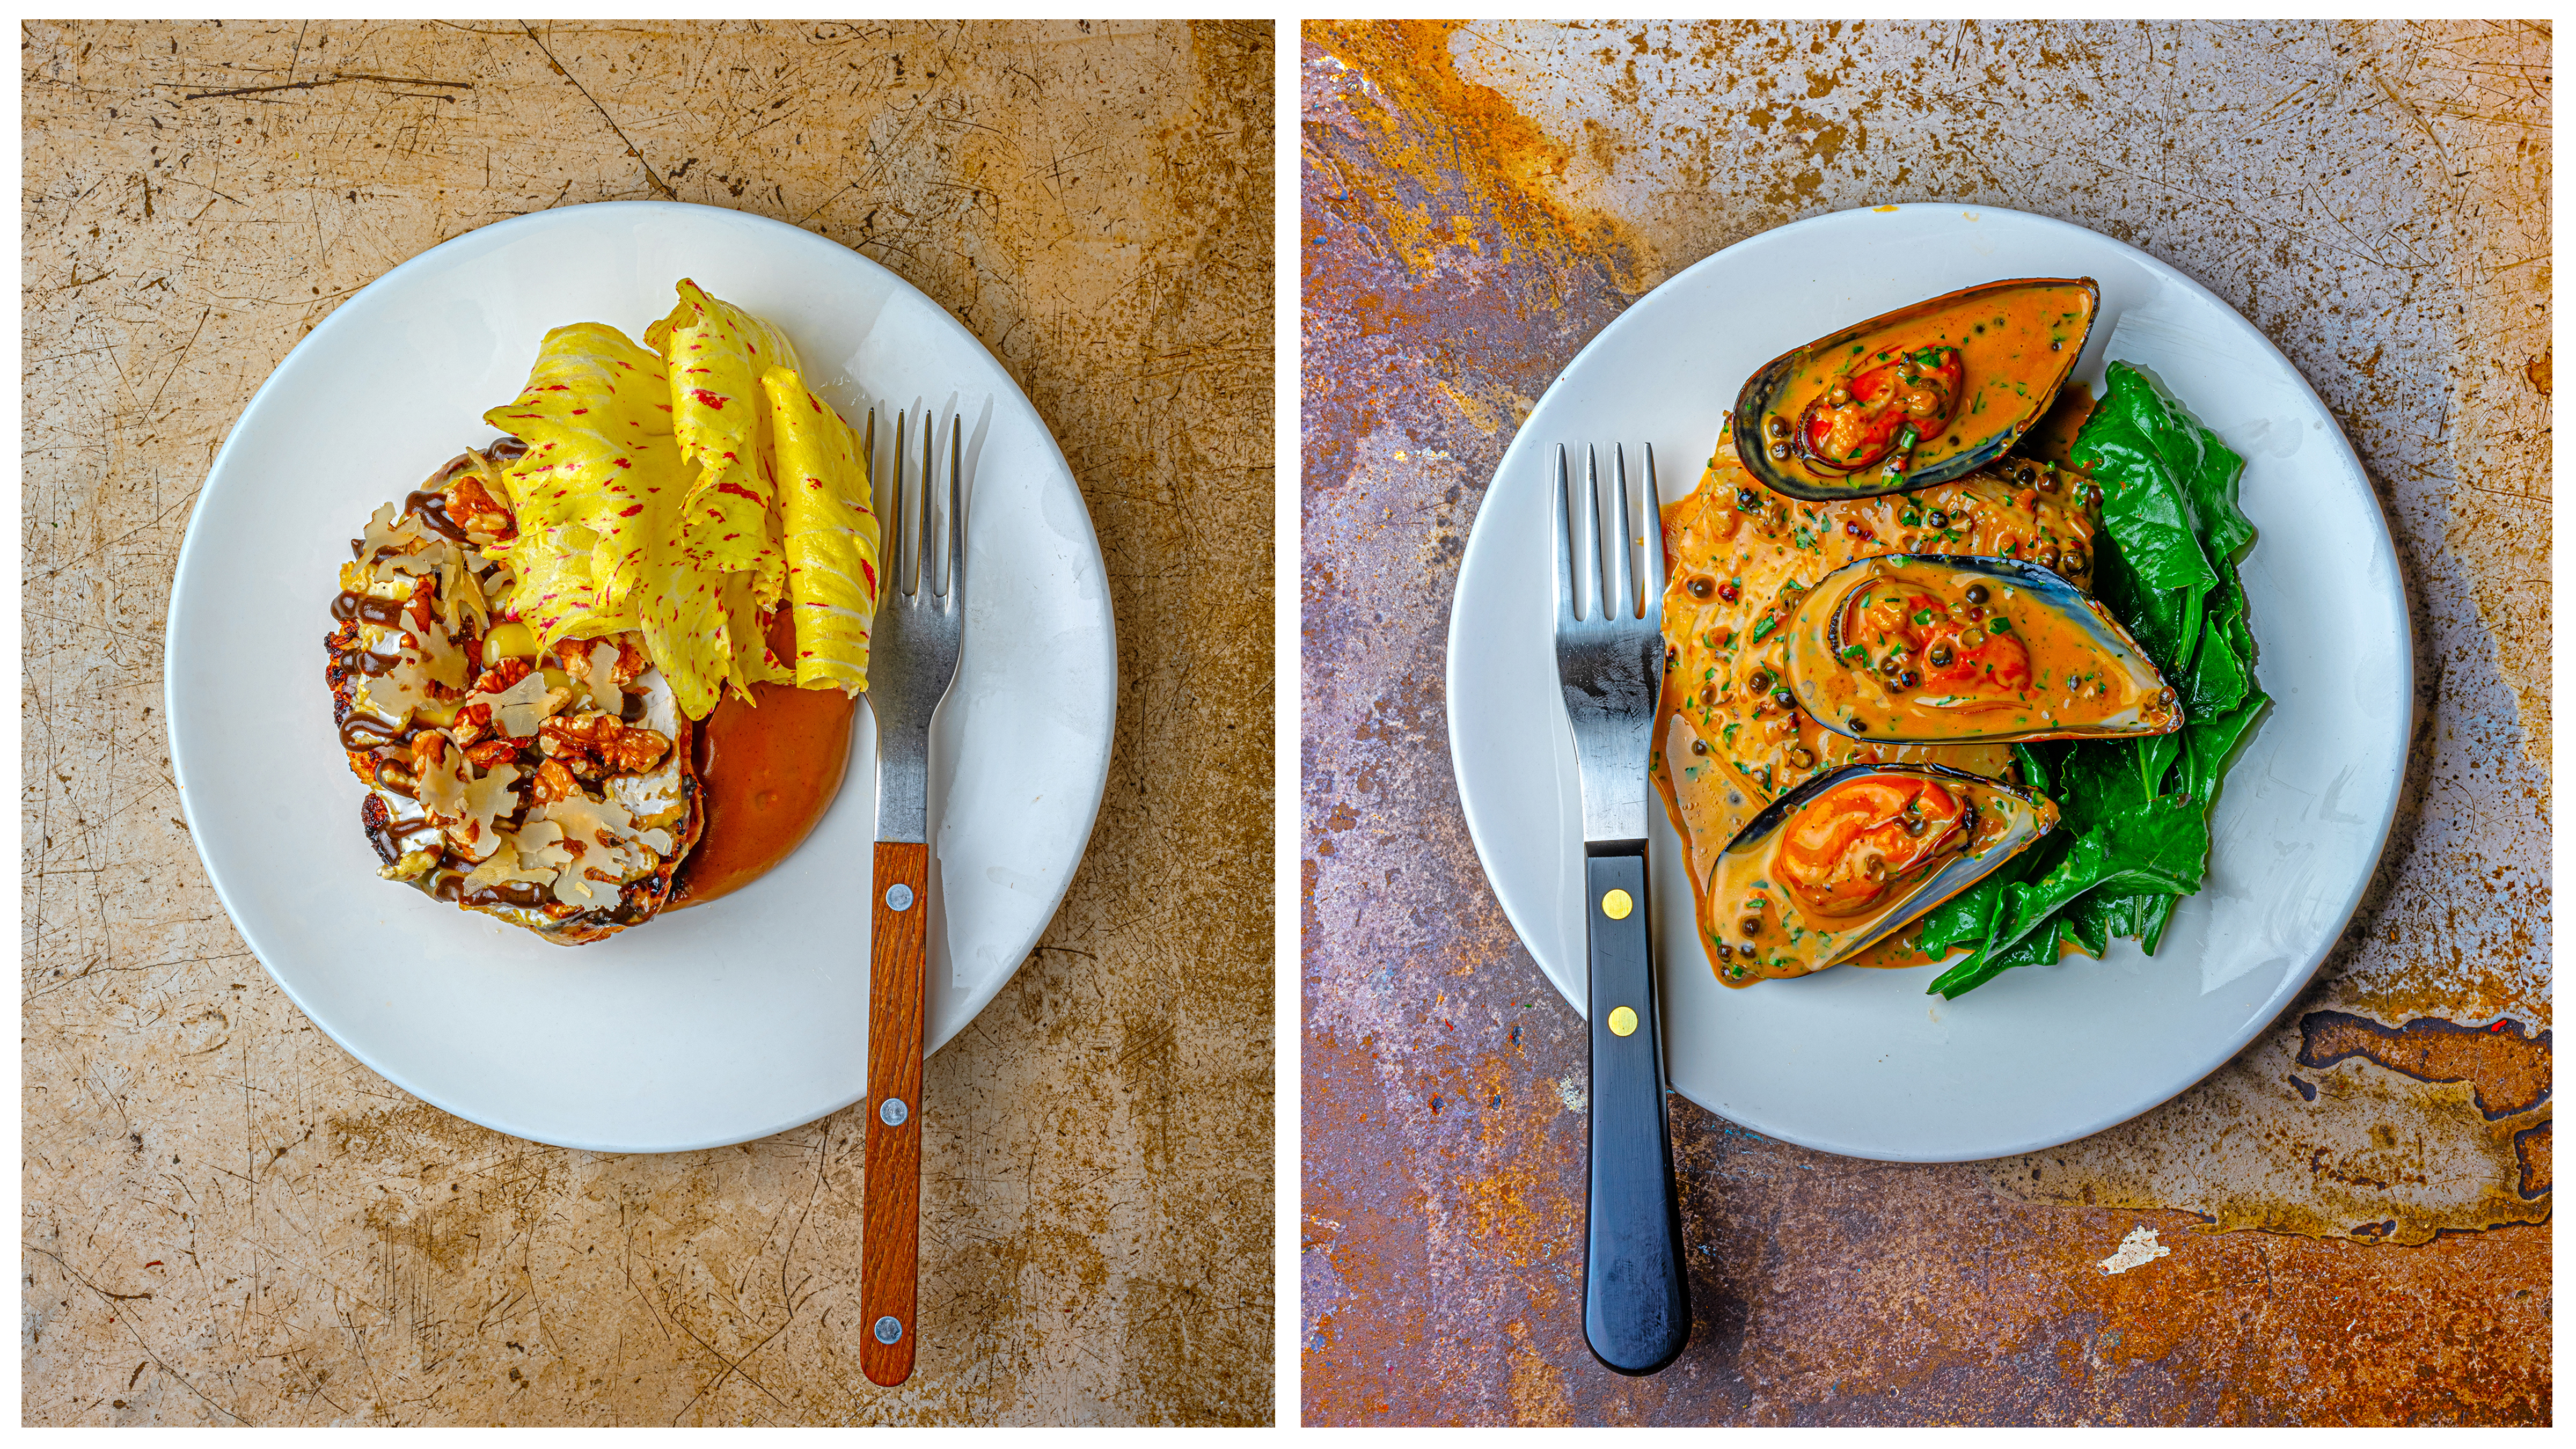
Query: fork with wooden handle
[
  {"x": 1609, "y": 663},
  {"x": 912, "y": 659}
]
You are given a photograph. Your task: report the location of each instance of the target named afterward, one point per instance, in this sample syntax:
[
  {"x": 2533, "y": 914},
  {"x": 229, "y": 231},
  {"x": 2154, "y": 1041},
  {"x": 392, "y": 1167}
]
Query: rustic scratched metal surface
[
  {"x": 1477, "y": 203},
  {"x": 226, "y": 1220}
]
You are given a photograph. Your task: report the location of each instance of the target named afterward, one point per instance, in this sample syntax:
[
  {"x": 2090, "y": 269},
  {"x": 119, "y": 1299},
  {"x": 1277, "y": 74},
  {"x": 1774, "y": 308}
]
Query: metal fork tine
[
  {"x": 925, "y": 543},
  {"x": 899, "y": 535},
  {"x": 1599, "y": 581},
  {"x": 956, "y": 508},
  {"x": 1566, "y": 604},
  {"x": 1655, "y": 580},
  {"x": 1626, "y": 567}
]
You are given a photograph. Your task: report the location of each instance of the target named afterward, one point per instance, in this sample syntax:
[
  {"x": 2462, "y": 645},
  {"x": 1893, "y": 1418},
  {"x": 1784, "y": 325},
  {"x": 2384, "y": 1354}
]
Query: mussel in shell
[
  {"x": 1849, "y": 859},
  {"x": 1922, "y": 395},
  {"x": 1949, "y": 649}
]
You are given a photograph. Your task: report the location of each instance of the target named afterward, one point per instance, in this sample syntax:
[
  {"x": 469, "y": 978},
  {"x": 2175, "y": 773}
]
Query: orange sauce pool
[
  {"x": 766, "y": 774},
  {"x": 2052, "y": 438}
]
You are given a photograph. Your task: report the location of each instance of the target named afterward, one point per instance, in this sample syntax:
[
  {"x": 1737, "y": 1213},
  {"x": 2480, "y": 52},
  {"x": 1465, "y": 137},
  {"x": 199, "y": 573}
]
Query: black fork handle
[{"x": 1636, "y": 1291}]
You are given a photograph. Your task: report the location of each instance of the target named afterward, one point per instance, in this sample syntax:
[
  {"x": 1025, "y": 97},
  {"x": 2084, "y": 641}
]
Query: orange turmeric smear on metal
[{"x": 766, "y": 774}]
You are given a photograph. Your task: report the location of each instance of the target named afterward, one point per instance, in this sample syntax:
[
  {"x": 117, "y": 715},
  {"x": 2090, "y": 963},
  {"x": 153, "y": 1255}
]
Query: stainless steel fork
[
  {"x": 912, "y": 660},
  {"x": 1609, "y": 663}
]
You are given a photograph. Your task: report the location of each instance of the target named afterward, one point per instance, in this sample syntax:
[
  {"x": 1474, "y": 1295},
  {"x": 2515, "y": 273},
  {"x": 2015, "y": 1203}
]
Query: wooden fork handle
[{"x": 890, "y": 1234}]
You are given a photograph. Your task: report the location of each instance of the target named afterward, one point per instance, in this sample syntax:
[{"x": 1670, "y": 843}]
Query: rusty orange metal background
[{"x": 2355, "y": 1210}]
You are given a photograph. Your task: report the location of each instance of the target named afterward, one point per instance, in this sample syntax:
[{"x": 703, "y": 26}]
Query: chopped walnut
[
  {"x": 364, "y": 763},
  {"x": 473, "y": 722},
  {"x": 429, "y": 747},
  {"x": 634, "y": 750},
  {"x": 473, "y": 506},
  {"x": 424, "y": 593},
  {"x": 631, "y": 659},
  {"x": 592, "y": 744},
  {"x": 502, "y": 675},
  {"x": 493, "y": 752},
  {"x": 554, "y": 782}
]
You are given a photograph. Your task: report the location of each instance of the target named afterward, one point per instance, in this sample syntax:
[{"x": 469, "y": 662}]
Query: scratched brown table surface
[
  {"x": 2355, "y": 1209},
  {"x": 226, "y": 1219}
]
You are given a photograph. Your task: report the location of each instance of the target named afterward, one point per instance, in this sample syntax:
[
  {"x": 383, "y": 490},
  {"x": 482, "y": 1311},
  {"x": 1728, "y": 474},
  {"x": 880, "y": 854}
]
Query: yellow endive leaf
[
  {"x": 715, "y": 353},
  {"x": 598, "y": 499},
  {"x": 829, "y": 535}
]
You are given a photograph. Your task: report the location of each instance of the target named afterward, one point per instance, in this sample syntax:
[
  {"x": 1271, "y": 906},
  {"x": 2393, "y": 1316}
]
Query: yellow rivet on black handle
[
  {"x": 1617, "y": 904},
  {"x": 1622, "y": 1021}
]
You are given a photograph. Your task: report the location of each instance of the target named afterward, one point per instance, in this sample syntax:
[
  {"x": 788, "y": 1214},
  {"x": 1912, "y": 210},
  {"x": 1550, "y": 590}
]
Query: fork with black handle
[
  {"x": 1609, "y": 662},
  {"x": 912, "y": 659}
]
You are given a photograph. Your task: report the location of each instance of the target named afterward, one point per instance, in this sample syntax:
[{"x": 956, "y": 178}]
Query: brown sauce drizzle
[
  {"x": 367, "y": 609},
  {"x": 432, "y": 508},
  {"x": 768, "y": 774},
  {"x": 366, "y": 732},
  {"x": 527, "y": 894}
]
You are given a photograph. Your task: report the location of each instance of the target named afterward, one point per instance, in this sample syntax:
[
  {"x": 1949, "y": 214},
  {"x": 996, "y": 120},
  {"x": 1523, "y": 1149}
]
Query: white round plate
[
  {"x": 1862, "y": 1062},
  {"x": 716, "y": 1024}
]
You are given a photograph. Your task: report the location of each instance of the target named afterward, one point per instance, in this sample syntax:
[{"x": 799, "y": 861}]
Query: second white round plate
[
  {"x": 721, "y": 1023},
  {"x": 1862, "y": 1062}
]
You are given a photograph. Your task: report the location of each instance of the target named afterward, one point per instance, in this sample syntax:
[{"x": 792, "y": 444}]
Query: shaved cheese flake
[
  {"x": 611, "y": 850},
  {"x": 424, "y": 556},
  {"x": 442, "y": 658},
  {"x": 533, "y": 853},
  {"x": 465, "y": 800},
  {"x": 474, "y": 833},
  {"x": 519, "y": 709},
  {"x": 831, "y": 537},
  {"x": 460, "y": 599},
  {"x": 652, "y": 800},
  {"x": 388, "y": 531},
  {"x": 441, "y": 790},
  {"x": 394, "y": 694},
  {"x": 600, "y": 674}
]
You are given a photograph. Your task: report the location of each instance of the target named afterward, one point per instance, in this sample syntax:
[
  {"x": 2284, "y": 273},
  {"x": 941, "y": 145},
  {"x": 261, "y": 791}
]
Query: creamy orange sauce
[
  {"x": 2052, "y": 438},
  {"x": 1899, "y": 952},
  {"x": 2015, "y": 347},
  {"x": 766, "y": 774},
  {"x": 1740, "y": 559},
  {"x": 1939, "y": 659},
  {"x": 1823, "y": 881}
]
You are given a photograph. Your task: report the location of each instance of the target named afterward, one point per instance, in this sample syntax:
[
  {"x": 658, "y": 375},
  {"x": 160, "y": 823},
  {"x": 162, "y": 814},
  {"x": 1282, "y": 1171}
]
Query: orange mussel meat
[{"x": 1883, "y": 412}]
